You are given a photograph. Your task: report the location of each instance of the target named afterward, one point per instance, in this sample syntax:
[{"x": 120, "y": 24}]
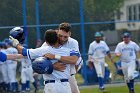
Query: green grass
[
  {"x": 112, "y": 69},
  {"x": 115, "y": 89},
  {"x": 118, "y": 89}
]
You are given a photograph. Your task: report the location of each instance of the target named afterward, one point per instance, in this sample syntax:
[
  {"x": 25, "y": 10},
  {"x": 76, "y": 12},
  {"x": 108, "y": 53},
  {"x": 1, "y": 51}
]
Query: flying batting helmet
[
  {"x": 42, "y": 65},
  {"x": 18, "y": 33}
]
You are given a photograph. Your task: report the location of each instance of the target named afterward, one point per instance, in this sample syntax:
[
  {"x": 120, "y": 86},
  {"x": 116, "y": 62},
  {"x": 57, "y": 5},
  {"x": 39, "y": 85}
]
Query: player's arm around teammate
[{"x": 65, "y": 59}]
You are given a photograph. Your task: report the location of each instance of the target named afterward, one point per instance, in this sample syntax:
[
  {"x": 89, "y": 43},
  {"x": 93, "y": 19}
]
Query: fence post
[
  {"x": 83, "y": 40},
  {"x": 24, "y": 20},
  {"x": 37, "y": 20}
]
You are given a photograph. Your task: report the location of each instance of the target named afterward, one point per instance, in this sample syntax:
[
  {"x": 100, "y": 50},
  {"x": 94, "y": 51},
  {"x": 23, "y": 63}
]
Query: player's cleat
[
  {"x": 103, "y": 90},
  {"x": 131, "y": 91}
]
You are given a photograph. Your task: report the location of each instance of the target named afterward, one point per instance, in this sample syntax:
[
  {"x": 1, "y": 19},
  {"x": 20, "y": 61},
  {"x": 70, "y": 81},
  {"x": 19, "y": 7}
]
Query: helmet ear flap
[{"x": 18, "y": 33}]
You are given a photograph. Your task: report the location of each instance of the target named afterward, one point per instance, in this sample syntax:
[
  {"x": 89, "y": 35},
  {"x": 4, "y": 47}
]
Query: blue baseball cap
[
  {"x": 126, "y": 34},
  {"x": 97, "y": 34}
]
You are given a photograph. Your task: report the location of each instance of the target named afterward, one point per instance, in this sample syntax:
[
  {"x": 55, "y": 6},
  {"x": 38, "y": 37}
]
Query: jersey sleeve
[
  {"x": 34, "y": 53},
  {"x": 137, "y": 48},
  {"x": 75, "y": 45},
  {"x": 74, "y": 53},
  {"x": 3, "y": 57},
  {"x": 106, "y": 47},
  {"x": 90, "y": 51},
  {"x": 118, "y": 50}
]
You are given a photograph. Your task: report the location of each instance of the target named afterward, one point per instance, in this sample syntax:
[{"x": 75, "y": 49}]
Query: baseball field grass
[
  {"x": 115, "y": 89},
  {"x": 110, "y": 89}
]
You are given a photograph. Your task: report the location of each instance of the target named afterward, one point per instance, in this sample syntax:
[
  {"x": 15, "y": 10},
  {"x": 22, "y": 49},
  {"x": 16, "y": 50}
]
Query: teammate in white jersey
[
  {"x": 11, "y": 66},
  {"x": 65, "y": 40},
  {"x": 127, "y": 50},
  {"x": 26, "y": 74},
  {"x": 57, "y": 82},
  {"x": 98, "y": 49}
]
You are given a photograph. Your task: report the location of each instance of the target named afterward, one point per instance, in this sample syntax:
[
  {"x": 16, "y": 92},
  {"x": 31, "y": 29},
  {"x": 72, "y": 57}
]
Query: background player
[
  {"x": 11, "y": 66},
  {"x": 97, "y": 52},
  {"x": 126, "y": 51},
  {"x": 3, "y": 69},
  {"x": 26, "y": 74}
]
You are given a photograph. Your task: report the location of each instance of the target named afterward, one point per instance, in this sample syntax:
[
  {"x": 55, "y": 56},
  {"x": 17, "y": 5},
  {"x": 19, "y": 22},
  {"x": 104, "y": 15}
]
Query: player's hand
[
  {"x": 50, "y": 56},
  {"x": 14, "y": 41},
  {"x": 59, "y": 66}
]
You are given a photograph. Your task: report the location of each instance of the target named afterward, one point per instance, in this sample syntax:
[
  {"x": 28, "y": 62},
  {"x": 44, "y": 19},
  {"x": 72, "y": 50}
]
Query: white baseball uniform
[
  {"x": 60, "y": 82},
  {"x": 72, "y": 44},
  {"x": 12, "y": 65},
  {"x": 128, "y": 58},
  {"x": 98, "y": 53},
  {"x": 26, "y": 71}
]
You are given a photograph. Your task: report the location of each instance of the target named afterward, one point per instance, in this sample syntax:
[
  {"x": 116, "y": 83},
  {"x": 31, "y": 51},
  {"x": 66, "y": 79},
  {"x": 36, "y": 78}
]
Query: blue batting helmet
[
  {"x": 18, "y": 33},
  {"x": 2, "y": 45},
  {"x": 8, "y": 42},
  {"x": 126, "y": 34},
  {"x": 42, "y": 65}
]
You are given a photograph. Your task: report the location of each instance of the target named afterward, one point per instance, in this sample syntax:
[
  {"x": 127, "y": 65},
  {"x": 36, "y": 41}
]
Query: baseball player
[
  {"x": 2, "y": 68},
  {"x": 57, "y": 82},
  {"x": 64, "y": 34},
  {"x": 11, "y": 66},
  {"x": 98, "y": 49},
  {"x": 26, "y": 74},
  {"x": 126, "y": 51}
]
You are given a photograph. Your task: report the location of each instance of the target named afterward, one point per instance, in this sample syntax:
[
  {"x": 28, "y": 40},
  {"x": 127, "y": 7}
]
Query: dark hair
[
  {"x": 65, "y": 27},
  {"x": 51, "y": 36}
]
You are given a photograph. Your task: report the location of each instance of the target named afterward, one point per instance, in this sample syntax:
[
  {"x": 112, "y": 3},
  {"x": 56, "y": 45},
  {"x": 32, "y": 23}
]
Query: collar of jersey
[{"x": 57, "y": 47}]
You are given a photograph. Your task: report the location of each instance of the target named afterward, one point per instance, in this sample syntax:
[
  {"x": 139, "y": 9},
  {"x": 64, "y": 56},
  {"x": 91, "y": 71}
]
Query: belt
[{"x": 53, "y": 81}]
